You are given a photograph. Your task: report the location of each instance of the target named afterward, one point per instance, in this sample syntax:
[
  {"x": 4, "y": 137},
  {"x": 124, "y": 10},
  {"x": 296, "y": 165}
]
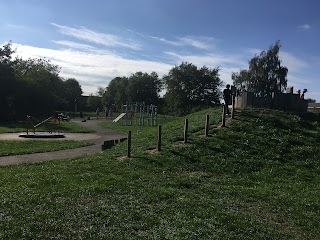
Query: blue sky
[{"x": 97, "y": 40}]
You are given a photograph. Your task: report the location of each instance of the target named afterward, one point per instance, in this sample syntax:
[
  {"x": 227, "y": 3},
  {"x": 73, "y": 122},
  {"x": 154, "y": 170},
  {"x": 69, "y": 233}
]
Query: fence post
[
  {"x": 159, "y": 138},
  {"x": 233, "y": 107},
  {"x": 129, "y": 145},
  {"x": 206, "y": 129},
  {"x": 185, "y": 131},
  {"x": 223, "y": 115}
]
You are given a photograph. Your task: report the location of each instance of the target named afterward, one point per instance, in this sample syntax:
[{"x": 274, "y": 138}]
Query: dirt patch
[{"x": 152, "y": 151}]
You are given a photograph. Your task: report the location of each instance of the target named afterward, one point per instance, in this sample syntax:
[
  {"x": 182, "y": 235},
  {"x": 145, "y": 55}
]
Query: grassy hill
[{"x": 259, "y": 178}]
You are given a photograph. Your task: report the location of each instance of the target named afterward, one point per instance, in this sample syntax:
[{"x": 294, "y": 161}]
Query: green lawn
[
  {"x": 256, "y": 179},
  {"x": 66, "y": 127},
  {"x": 14, "y": 147}
]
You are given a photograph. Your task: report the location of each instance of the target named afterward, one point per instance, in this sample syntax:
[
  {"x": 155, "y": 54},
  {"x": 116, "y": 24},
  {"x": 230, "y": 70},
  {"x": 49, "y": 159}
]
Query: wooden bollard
[
  {"x": 159, "y": 138},
  {"x": 206, "y": 128},
  {"x": 223, "y": 115},
  {"x": 129, "y": 144},
  {"x": 233, "y": 107},
  {"x": 185, "y": 135}
]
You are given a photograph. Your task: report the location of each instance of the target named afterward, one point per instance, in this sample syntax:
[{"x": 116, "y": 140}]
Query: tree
[
  {"x": 311, "y": 100},
  {"x": 144, "y": 87},
  {"x": 72, "y": 93},
  {"x": 188, "y": 87},
  {"x": 116, "y": 92},
  {"x": 265, "y": 73},
  {"x": 40, "y": 89},
  {"x": 7, "y": 81}
]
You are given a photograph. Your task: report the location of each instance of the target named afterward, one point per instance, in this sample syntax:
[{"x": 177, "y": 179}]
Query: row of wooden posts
[{"x": 185, "y": 131}]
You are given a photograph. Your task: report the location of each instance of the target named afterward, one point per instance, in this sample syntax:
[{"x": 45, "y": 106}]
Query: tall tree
[
  {"x": 265, "y": 73},
  {"x": 144, "y": 87},
  {"x": 39, "y": 89},
  {"x": 72, "y": 93},
  {"x": 7, "y": 81},
  {"x": 116, "y": 92},
  {"x": 188, "y": 87}
]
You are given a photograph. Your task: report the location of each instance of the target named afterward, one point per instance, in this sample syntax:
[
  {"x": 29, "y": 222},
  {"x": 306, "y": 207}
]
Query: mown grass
[
  {"x": 14, "y": 147},
  {"x": 257, "y": 179},
  {"x": 66, "y": 127}
]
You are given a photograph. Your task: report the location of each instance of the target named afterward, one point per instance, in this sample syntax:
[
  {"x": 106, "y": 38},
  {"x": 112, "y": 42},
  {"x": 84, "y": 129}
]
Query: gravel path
[{"x": 101, "y": 134}]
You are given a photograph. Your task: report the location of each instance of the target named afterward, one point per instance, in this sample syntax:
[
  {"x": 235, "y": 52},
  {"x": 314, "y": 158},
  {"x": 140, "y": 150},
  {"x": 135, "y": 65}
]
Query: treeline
[
  {"x": 186, "y": 88},
  {"x": 33, "y": 87}
]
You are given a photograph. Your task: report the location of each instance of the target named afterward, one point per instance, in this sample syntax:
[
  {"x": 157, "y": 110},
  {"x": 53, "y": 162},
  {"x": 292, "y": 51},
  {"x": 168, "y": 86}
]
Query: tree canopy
[
  {"x": 33, "y": 86},
  {"x": 265, "y": 73},
  {"x": 188, "y": 87},
  {"x": 139, "y": 87}
]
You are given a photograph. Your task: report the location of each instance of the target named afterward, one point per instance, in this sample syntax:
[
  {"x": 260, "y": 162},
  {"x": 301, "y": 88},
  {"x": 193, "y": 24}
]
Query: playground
[{"x": 97, "y": 138}]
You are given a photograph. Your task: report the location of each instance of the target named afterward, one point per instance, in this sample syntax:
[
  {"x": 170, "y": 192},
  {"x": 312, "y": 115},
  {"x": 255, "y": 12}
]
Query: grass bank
[{"x": 257, "y": 179}]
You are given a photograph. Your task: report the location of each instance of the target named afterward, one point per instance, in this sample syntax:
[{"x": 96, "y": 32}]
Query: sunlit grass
[
  {"x": 13, "y": 147},
  {"x": 256, "y": 179},
  {"x": 65, "y": 127}
]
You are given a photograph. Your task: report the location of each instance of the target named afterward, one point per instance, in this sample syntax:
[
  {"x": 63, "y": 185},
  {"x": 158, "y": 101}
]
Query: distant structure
[{"x": 288, "y": 101}]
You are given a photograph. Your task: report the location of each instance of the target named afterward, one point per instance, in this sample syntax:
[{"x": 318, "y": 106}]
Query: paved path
[{"x": 101, "y": 134}]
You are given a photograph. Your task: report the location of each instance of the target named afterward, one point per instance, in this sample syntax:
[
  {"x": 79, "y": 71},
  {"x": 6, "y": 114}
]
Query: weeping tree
[{"x": 265, "y": 73}]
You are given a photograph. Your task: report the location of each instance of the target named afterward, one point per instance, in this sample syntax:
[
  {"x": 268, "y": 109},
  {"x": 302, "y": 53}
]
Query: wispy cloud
[
  {"x": 203, "y": 43},
  {"x": 200, "y": 43},
  {"x": 305, "y": 27},
  {"x": 85, "y": 34},
  {"x": 209, "y": 59},
  {"x": 75, "y": 45},
  {"x": 293, "y": 63}
]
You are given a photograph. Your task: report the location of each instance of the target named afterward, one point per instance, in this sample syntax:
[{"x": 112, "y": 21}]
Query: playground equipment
[
  {"x": 52, "y": 124},
  {"x": 138, "y": 114}
]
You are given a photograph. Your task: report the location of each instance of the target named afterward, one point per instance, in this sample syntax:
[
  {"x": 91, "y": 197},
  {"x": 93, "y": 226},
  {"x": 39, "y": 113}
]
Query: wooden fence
[{"x": 281, "y": 101}]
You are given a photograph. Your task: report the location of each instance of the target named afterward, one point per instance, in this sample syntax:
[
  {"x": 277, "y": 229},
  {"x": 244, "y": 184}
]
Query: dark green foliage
[
  {"x": 33, "y": 87},
  {"x": 265, "y": 73},
  {"x": 188, "y": 87},
  {"x": 139, "y": 87}
]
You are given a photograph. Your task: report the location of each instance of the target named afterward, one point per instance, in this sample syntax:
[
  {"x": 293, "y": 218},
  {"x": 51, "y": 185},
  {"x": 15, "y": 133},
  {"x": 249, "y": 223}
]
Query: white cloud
[
  {"x": 104, "y": 39},
  {"x": 203, "y": 43},
  {"x": 75, "y": 45},
  {"x": 293, "y": 63},
  {"x": 210, "y": 59},
  {"x": 305, "y": 27},
  {"x": 90, "y": 68},
  {"x": 200, "y": 43}
]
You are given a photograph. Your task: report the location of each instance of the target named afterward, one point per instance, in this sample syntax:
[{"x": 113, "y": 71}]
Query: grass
[
  {"x": 65, "y": 127},
  {"x": 13, "y": 147},
  {"x": 257, "y": 179}
]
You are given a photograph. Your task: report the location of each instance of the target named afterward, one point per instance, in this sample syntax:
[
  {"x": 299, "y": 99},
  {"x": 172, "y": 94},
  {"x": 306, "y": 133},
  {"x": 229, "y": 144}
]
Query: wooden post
[
  {"x": 185, "y": 131},
  {"x": 223, "y": 115},
  {"x": 159, "y": 138},
  {"x": 206, "y": 129},
  {"x": 233, "y": 107},
  {"x": 129, "y": 144}
]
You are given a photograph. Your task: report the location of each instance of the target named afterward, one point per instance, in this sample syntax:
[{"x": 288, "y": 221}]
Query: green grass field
[
  {"x": 65, "y": 127},
  {"x": 14, "y": 147},
  {"x": 259, "y": 178}
]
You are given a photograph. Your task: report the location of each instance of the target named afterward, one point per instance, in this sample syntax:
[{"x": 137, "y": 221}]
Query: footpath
[{"x": 97, "y": 138}]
